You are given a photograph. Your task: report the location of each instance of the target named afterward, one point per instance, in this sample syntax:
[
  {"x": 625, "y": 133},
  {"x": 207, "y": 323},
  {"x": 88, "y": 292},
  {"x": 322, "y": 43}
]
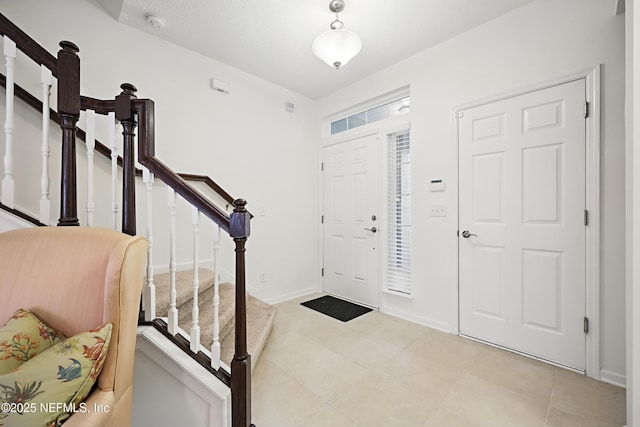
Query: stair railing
[{"x": 131, "y": 113}]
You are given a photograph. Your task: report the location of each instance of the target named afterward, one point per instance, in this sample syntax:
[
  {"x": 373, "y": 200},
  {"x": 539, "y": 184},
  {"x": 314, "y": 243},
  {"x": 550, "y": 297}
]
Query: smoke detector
[{"x": 157, "y": 22}]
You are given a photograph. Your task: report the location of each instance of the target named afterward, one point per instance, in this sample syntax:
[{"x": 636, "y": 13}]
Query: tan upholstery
[{"x": 77, "y": 278}]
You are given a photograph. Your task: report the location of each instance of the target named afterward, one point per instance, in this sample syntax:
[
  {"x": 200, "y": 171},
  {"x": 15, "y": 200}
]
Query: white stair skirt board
[
  {"x": 170, "y": 388},
  {"x": 10, "y": 222}
]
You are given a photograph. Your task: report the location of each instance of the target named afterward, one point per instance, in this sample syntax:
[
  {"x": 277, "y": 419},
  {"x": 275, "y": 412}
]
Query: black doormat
[{"x": 336, "y": 308}]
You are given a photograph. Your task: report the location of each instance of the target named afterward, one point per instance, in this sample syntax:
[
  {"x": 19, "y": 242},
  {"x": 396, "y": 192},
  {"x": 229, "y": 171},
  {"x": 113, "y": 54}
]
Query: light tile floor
[{"x": 378, "y": 370}]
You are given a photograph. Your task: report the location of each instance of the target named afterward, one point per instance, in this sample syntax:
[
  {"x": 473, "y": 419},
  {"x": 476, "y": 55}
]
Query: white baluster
[
  {"x": 45, "y": 182},
  {"x": 215, "y": 345},
  {"x": 8, "y": 186},
  {"x": 173, "y": 311},
  {"x": 150, "y": 289},
  {"x": 91, "y": 145},
  {"x": 114, "y": 168},
  {"x": 195, "y": 327}
]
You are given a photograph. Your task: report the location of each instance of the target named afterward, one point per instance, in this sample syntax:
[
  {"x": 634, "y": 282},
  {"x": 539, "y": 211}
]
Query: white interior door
[
  {"x": 521, "y": 223},
  {"x": 351, "y": 220}
]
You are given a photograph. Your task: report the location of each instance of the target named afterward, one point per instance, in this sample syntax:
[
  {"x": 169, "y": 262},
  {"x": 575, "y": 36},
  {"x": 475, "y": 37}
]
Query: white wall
[
  {"x": 245, "y": 140},
  {"x": 249, "y": 130},
  {"x": 541, "y": 41}
]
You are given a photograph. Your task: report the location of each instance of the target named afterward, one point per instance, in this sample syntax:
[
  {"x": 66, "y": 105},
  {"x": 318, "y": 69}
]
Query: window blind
[{"x": 399, "y": 213}]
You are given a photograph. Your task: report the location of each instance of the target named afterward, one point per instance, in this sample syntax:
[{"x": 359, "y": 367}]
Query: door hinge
[
  {"x": 586, "y": 110},
  {"x": 322, "y": 166},
  {"x": 586, "y": 217},
  {"x": 586, "y": 325},
  {"x": 322, "y": 219},
  {"x": 322, "y": 272}
]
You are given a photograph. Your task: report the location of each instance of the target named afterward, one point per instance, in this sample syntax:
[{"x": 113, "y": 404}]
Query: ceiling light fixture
[{"x": 336, "y": 47}]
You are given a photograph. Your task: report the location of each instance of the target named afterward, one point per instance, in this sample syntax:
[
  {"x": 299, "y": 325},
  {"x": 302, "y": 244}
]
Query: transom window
[{"x": 380, "y": 112}]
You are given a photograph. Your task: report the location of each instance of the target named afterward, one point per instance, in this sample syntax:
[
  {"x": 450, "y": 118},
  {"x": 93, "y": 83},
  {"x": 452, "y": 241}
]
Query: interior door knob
[
  {"x": 372, "y": 229},
  {"x": 466, "y": 234}
]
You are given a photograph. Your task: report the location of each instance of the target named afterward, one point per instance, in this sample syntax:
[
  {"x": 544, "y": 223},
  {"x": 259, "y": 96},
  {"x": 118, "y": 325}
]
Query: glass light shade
[{"x": 337, "y": 47}]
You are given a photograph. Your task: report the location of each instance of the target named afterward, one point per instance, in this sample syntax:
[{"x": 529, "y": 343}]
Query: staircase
[
  {"x": 225, "y": 318},
  {"x": 260, "y": 315}
]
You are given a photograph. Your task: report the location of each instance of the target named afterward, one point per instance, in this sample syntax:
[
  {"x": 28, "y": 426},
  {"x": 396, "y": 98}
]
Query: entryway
[
  {"x": 522, "y": 223},
  {"x": 351, "y": 219}
]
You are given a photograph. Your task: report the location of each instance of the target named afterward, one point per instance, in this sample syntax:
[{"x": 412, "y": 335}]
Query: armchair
[{"x": 74, "y": 279}]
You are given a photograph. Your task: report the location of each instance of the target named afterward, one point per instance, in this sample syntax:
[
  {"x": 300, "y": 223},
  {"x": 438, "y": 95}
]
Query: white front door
[
  {"x": 522, "y": 223},
  {"x": 351, "y": 219}
]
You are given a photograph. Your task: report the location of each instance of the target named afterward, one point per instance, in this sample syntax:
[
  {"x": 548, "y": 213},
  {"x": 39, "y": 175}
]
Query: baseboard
[
  {"x": 613, "y": 378},
  {"x": 424, "y": 321},
  {"x": 9, "y": 221},
  {"x": 291, "y": 295}
]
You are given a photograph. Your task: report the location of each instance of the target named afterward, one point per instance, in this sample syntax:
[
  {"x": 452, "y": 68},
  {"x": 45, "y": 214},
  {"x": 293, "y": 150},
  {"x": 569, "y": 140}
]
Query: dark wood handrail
[
  {"x": 146, "y": 156},
  {"x": 100, "y": 106},
  {"x": 104, "y": 107},
  {"x": 28, "y": 46},
  {"x": 36, "y": 104},
  {"x": 210, "y": 183}
]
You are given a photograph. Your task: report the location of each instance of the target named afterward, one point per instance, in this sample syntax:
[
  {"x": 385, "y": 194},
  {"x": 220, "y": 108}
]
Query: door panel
[
  {"x": 351, "y": 197},
  {"x": 522, "y": 194},
  {"x": 488, "y": 281},
  {"x": 542, "y": 191},
  {"x": 488, "y": 191}
]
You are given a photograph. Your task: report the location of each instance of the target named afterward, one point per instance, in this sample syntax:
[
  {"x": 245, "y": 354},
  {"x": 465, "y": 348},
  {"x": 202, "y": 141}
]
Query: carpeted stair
[{"x": 259, "y": 314}]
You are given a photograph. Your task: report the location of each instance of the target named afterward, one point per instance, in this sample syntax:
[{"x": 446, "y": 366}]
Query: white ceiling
[{"x": 272, "y": 39}]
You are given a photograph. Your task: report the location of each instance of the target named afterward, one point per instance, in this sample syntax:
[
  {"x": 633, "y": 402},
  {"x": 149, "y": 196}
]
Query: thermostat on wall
[{"x": 437, "y": 185}]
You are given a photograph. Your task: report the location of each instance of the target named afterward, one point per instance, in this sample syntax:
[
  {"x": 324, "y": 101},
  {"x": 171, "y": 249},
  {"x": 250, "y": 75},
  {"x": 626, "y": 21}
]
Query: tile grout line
[{"x": 553, "y": 386}]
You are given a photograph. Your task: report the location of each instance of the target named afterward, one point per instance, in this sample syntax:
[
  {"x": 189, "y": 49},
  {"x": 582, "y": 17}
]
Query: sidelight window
[{"x": 399, "y": 213}]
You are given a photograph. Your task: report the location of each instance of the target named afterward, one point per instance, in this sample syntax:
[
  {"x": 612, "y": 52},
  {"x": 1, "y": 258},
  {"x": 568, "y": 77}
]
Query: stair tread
[
  {"x": 184, "y": 288},
  {"x": 260, "y": 317},
  {"x": 226, "y": 313}
]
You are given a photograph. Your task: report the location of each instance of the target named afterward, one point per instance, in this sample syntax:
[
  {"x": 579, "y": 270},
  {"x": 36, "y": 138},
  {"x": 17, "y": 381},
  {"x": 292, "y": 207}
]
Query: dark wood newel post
[
  {"x": 69, "y": 112},
  {"x": 126, "y": 116},
  {"x": 239, "y": 230}
]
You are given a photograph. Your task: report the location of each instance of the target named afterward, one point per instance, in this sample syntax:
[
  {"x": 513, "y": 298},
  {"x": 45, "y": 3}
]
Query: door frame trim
[{"x": 592, "y": 200}]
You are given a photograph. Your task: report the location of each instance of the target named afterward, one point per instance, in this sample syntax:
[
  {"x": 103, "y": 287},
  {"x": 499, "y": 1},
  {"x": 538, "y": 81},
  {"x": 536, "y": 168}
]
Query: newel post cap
[
  {"x": 69, "y": 47},
  {"x": 239, "y": 227},
  {"x": 124, "y": 112},
  {"x": 128, "y": 89}
]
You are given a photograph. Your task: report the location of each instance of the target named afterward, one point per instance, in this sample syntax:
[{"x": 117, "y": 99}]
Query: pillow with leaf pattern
[
  {"x": 23, "y": 337},
  {"x": 48, "y": 388}
]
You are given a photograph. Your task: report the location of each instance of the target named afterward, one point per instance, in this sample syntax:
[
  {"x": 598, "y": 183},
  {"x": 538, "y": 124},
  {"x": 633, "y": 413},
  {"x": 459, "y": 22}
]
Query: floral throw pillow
[
  {"x": 48, "y": 388},
  {"x": 23, "y": 337}
]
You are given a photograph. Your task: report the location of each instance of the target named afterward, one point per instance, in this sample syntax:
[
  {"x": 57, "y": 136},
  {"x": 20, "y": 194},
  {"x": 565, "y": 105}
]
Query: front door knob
[{"x": 372, "y": 229}]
